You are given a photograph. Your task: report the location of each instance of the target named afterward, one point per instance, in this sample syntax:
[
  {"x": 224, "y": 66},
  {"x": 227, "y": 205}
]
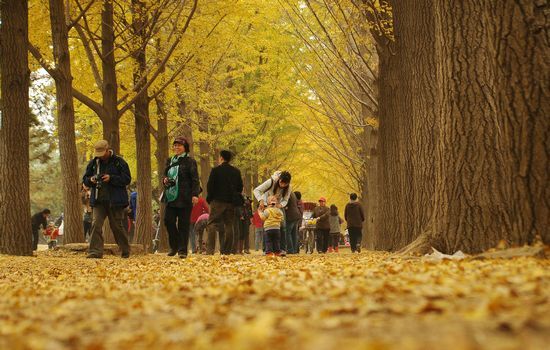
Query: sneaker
[
  {"x": 329, "y": 250},
  {"x": 358, "y": 249},
  {"x": 279, "y": 253},
  {"x": 93, "y": 256},
  {"x": 125, "y": 255},
  {"x": 182, "y": 256},
  {"x": 282, "y": 253},
  {"x": 270, "y": 254},
  {"x": 172, "y": 253}
]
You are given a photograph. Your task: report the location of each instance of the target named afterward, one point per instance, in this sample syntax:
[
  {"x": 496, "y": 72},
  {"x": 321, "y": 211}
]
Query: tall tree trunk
[
  {"x": 161, "y": 156},
  {"x": 492, "y": 150},
  {"x": 204, "y": 149},
  {"x": 15, "y": 223},
  {"x": 109, "y": 89},
  {"x": 414, "y": 20},
  {"x": 72, "y": 208},
  {"x": 390, "y": 167},
  {"x": 524, "y": 105},
  {"x": 144, "y": 226}
]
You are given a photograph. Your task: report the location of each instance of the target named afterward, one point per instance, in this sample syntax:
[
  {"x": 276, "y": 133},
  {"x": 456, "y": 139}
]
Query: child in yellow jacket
[{"x": 272, "y": 217}]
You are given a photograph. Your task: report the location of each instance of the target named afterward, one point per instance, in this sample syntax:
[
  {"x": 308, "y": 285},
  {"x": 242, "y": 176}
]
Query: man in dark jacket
[
  {"x": 225, "y": 186},
  {"x": 38, "y": 220},
  {"x": 107, "y": 175},
  {"x": 354, "y": 217}
]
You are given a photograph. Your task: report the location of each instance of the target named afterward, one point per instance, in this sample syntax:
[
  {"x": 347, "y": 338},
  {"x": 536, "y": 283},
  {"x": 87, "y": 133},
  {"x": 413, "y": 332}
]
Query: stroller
[{"x": 50, "y": 235}]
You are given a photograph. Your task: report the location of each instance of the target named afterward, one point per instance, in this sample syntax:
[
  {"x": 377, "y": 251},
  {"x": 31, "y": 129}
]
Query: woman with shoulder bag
[{"x": 181, "y": 191}]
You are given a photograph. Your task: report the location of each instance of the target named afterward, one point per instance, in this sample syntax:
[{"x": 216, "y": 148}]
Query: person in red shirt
[{"x": 199, "y": 208}]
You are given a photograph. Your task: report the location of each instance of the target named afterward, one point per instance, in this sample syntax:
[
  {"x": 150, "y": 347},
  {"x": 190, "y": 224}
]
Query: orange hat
[{"x": 322, "y": 199}]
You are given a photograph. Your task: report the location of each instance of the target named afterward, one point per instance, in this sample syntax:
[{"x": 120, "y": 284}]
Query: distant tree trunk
[
  {"x": 186, "y": 127},
  {"x": 204, "y": 149},
  {"x": 109, "y": 89},
  {"x": 161, "y": 156},
  {"x": 144, "y": 224},
  {"x": 15, "y": 223},
  {"x": 492, "y": 151},
  {"x": 369, "y": 187},
  {"x": 72, "y": 207}
]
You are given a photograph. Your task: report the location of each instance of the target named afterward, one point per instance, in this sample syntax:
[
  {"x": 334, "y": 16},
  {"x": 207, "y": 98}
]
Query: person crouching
[{"x": 272, "y": 217}]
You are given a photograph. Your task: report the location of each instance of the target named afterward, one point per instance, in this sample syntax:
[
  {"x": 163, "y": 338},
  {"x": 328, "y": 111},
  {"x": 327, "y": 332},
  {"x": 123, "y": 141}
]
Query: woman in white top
[{"x": 278, "y": 185}]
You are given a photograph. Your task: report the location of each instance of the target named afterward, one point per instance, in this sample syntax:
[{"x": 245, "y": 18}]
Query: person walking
[
  {"x": 293, "y": 216},
  {"x": 335, "y": 221},
  {"x": 354, "y": 215},
  {"x": 199, "y": 208},
  {"x": 181, "y": 191},
  {"x": 107, "y": 175},
  {"x": 322, "y": 226},
  {"x": 39, "y": 220},
  {"x": 278, "y": 185},
  {"x": 244, "y": 221},
  {"x": 224, "y": 188}
]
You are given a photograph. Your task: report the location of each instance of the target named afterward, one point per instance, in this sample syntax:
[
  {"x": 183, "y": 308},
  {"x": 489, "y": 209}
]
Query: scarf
[{"x": 173, "y": 171}]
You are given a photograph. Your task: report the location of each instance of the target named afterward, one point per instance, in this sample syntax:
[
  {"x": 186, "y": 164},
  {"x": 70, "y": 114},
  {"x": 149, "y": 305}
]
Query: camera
[
  {"x": 99, "y": 180},
  {"x": 169, "y": 183}
]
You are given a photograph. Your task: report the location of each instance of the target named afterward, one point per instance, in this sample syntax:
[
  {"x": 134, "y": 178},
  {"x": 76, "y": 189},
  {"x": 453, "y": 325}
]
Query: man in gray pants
[{"x": 107, "y": 175}]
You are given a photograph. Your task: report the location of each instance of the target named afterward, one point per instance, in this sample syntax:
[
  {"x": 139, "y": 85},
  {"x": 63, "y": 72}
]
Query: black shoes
[
  {"x": 172, "y": 253},
  {"x": 183, "y": 256},
  {"x": 125, "y": 255},
  {"x": 93, "y": 256}
]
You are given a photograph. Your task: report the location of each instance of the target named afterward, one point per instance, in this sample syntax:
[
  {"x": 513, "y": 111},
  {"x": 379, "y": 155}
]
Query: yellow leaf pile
[{"x": 366, "y": 301}]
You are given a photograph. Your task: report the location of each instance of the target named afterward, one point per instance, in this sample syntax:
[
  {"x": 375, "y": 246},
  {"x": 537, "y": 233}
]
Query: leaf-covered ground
[{"x": 367, "y": 301}]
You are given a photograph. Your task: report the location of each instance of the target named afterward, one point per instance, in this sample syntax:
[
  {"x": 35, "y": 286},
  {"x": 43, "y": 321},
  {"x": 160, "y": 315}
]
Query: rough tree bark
[
  {"x": 492, "y": 150},
  {"x": 15, "y": 224},
  {"x": 72, "y": 208},
  {"x": 390, "y": 209},
  {"x": 414, "y": 30},
  {"x": 144, "y": 225}
]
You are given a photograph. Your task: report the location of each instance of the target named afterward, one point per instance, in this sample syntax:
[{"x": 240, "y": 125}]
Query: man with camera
[{"x": 107, "y": 175}]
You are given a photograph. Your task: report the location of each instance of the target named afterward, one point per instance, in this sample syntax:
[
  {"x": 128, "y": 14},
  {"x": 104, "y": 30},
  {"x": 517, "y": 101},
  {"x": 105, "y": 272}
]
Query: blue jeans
[
  {"x": 272, "y": 240},
  {"x": 259, "y": 238},
  {"x": 292, "y": 236}
]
